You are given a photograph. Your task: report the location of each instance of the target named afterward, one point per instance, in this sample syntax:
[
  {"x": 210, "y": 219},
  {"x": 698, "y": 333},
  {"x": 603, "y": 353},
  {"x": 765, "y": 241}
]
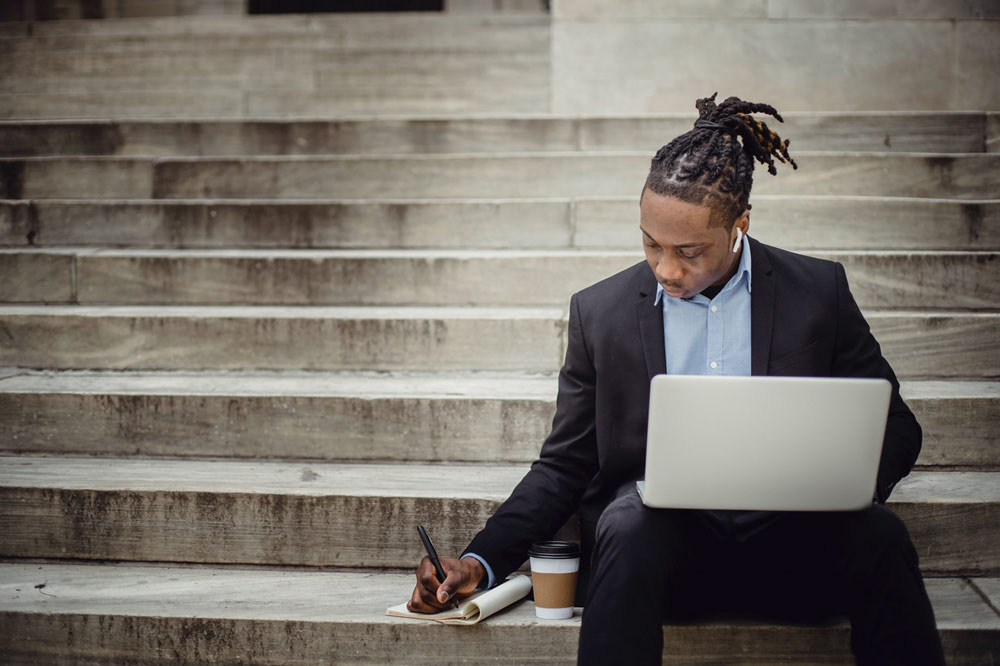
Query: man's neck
[{"x": 712, "y": 291}]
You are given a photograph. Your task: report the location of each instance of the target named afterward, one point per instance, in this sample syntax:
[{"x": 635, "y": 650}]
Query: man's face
[{"x": 686, "y": 255}]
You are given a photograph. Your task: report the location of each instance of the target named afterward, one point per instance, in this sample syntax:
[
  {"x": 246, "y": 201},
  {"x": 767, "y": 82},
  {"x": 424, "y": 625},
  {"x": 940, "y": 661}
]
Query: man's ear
[{"x": 743, "y": 221}]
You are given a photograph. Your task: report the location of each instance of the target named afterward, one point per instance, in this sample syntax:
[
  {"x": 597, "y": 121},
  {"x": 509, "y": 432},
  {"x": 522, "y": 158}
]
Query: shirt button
[
  {"x": 714, "y": 308},
  {"x": 714, "y": 364}
]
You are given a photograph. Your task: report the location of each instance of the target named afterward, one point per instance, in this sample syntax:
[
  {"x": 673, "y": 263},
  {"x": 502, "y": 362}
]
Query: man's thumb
[{"x": 446, "y": 588}]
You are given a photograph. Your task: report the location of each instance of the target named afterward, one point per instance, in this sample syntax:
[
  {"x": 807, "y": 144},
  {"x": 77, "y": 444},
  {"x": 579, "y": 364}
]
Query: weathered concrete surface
[
  {"x": 919, "y": 132},
  {"x": 993, "y": 132},
  {"x": 960, "y": 420},
  {"x": 16, "y": 223},
  {"x": 962, "y": 176},
  {"x": 126, "y": 84},
  {"x": 991, "y": 588},
  {"x": 275, "y": 513},
  {"x": 418, "y": 94},
  {"x": 357, "y": 277},
  {"x": 978, "y": 52},
  {"x": 90, "y": 179},
  {"x": 359, "y": 515},
  {"x": 137, "y": 104},
  {"x": 918, "y": 344},
  {"x": 304, "y": 338},
  {"x": 481, "y": 7},
  {"x": 213, "y": 102},
  {"x": 884, "y": 9},
  {"x": 879, "y": 279},
  {"x": 456, "y": 134},
  {"x": 931, "y": 506},
  {"x": 450, "y": 417},
  {"x": 783, "y": 9},
  {"x": 791, "y": 222},
  {"x": 413, "y": 32},
  {"x": 40, "y": 278},
  {"x": 354, "y": 29},
  {"x": 68, "y": 10},
  {"x": 820, "y": 223},
  {"x": 942, "y": 345},
  {"x": 946, "y": 132},
  {"x": 227, "y": 616},
  {"x": 635, "y": 66},
  {"x": 174, "y": 66},
  {"x": 346, "y": 416},
  {"x": 507, "y": 223}
]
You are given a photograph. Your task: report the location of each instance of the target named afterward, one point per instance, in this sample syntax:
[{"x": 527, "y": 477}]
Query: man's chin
[{"x": 675, "y": 294}]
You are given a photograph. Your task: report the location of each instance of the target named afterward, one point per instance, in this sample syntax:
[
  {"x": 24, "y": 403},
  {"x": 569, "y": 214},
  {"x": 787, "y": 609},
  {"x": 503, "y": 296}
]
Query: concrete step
[
  {"x": 366, "y": 24},
  {"x": 270, "y": 80},
  {"x": 309, "y": 338},
  {"x": 443, "y": 61},
  {"x": 947, "y": 132},
  {"x": 231, "y": 102},
  {"x": 66, "y": 11},
  {"x": 959, "y": 176},
  {"x": 920, "y": 344},
  {"x": 354, "y": 78},
  {"x": 879, "y": 279},
  {"x": 107, "y": 614},
  {"x": 419, "y": 32},
  {"x": 479, "y": 417},
  {"x": 823, "y": 222},
  {"x": 793, "y": 222},
  {"x": 451, "y": 417},
  {"x": 402, "y": 81},
  {"x": 225, "y": 103},
  {"x": 358, "y": 515},
  {"x": 777, "y": 9},
  {"x": 328, "y": 82}
]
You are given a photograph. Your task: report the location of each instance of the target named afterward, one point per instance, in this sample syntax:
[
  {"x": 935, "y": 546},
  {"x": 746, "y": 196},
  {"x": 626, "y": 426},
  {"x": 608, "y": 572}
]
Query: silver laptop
[{"x": 763, "y": 443}]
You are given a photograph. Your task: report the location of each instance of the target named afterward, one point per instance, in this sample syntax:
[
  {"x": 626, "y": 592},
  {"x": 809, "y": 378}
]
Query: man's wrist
[
  {"x": 482, "y": 570},
  {"x": 479, "y": 569}
]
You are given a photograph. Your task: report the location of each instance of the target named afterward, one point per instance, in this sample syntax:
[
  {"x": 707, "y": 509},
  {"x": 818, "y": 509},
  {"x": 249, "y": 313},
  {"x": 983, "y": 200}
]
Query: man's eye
[{"x": 689, "y": 255}]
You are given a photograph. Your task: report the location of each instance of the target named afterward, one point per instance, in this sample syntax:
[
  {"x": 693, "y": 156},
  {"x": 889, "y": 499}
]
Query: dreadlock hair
[{"x": 709, "y": 166}]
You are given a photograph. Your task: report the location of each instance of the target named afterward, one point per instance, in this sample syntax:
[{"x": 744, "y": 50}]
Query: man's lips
[{"x": 674, "y": 292}]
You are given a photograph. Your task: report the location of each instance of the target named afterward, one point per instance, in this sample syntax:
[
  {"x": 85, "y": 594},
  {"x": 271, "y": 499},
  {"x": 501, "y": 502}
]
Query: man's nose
[{"x": 669, "y": 270}]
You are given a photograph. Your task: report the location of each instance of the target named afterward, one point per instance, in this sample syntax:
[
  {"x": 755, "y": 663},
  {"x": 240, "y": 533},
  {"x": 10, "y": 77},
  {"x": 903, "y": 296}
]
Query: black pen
[{"x": 431, "y": 553}]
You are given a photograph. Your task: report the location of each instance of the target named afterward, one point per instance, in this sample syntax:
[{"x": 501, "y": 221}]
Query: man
[{"x": 708, "y": 300}]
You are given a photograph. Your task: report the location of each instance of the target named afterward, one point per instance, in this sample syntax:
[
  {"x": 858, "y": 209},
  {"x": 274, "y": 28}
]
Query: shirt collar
[{"x": 741, "y": 270}]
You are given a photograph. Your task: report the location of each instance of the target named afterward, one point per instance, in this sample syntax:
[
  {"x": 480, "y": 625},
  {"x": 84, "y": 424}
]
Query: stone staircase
[{"x": 244, "y": 354}]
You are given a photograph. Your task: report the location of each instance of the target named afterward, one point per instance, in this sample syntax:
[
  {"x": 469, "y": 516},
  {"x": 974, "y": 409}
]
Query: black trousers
[{"x": 654, "y": 564}]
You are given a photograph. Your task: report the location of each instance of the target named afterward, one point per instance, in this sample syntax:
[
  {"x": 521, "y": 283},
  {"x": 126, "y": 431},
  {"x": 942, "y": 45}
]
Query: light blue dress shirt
[{"x": 704, "y": 336}]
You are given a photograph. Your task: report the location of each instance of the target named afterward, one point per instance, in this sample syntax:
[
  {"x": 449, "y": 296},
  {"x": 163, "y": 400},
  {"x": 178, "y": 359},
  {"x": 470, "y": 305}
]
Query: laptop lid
[{"x": 764, "y": 443}]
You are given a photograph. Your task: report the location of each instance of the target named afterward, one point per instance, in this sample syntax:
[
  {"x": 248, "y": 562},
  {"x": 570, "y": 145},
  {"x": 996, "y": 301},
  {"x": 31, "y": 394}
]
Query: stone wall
[{"x": 651, "y": 56}]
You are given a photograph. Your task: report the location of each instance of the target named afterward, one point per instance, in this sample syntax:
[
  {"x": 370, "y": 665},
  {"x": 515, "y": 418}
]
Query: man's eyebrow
[{"x": 685, "y": 246}]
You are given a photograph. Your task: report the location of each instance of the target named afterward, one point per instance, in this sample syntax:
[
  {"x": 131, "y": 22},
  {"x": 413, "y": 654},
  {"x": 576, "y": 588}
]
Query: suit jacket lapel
[
  {"x": 651, "y": 325},
  {"x": 761, "y": 309}
]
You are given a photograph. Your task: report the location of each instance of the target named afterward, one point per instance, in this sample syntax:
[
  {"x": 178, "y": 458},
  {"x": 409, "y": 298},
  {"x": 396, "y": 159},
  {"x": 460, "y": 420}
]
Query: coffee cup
[{"x": 554, "y": 568}]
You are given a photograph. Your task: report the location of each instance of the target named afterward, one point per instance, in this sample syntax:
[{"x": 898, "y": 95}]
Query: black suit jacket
[{"x": 804, "y": 322}]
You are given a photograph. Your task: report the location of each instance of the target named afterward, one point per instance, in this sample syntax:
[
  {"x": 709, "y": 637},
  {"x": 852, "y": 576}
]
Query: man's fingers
[
  {"x": 454, "y": 580},
  {"x": 431, "y": 595},
  {"x": 424, "y": 601}
]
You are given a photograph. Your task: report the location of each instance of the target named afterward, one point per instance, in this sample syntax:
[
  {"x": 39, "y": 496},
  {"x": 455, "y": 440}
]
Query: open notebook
[{"x": 476, "y": 608}]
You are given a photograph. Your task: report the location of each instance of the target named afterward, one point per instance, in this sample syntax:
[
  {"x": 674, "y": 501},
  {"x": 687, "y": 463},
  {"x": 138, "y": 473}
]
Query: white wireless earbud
[{"x": 739, "y": 237}]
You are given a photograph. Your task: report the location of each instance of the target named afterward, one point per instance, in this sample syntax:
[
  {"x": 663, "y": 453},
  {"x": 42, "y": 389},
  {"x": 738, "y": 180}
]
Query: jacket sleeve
[
  {"x": 857, "y": 354},
  {"x": 551, "y": 490}
]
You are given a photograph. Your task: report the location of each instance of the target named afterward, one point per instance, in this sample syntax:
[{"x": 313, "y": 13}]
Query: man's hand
[{"x": 462, "y": 577}]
